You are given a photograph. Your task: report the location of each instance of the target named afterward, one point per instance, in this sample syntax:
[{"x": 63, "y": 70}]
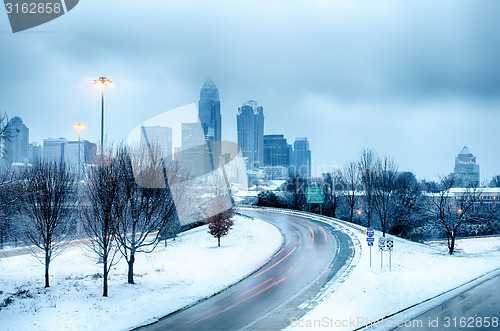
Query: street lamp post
[
  {"x": 79, "y": 127},
  {"x": 102, "y": 82}
]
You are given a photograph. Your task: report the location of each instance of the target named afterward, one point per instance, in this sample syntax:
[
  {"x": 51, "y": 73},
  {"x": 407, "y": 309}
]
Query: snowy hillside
[{"x": 187, "y": 270}]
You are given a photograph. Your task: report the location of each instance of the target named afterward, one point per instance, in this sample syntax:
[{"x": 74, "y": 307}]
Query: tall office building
[
  {"x": 276, "y": 151},
  {"x": 302, "y": 157},
  {"x": 210, "y": 118},
  {"x": 250, "y": 123},
  {"x": 17, "y": 147},
  {"x": 466, "y": 169}
]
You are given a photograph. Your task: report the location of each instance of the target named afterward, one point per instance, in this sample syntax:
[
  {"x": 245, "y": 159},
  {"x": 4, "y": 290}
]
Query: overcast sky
[{"x": 415, "y": 80}]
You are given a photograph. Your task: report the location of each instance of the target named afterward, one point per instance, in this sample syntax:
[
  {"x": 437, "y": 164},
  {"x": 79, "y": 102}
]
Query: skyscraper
[
  {"x": 17, "y": 147},
  {"x": 276, "y": 152},
  {"x": 210, "y": 118},
  {"x": 466, "y": 169},
  {"x": 302, "y": 157},
  {"x": 250, "y": 122}
]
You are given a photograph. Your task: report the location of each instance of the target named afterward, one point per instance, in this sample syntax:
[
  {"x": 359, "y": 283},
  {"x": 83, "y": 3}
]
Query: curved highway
[{"x": 271, "y": 294}]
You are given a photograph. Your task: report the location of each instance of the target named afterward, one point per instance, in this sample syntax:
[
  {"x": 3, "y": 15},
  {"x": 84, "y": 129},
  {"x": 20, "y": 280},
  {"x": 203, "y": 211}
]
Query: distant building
[
  {"x": 62, "y": 151},
  {"x": 88, "y": 153},
  {"x": 276, "y": 151},
  {"x": 35, "y": 152},
  {"x": 275, "y": 172},
  {"x": 301, "y": 157},
  {"x": 210, "y": 118},
  {"x": 250, "y": 123},
  {"x": 290, "y": 154},
  {"x": 466, "y": 169},
  {"x": 17, "y": 146},
  {"x": 159, "y": 137},
  {"x": 54, "y": 150},
  {"x": 195, "y": 155}
]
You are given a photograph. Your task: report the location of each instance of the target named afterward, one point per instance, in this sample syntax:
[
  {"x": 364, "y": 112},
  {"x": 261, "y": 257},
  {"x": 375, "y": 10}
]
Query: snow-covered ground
[
  {"x": 471, "y": 245},
  {"x": 189, "y": 269},
  {"x": 419, "y": 272}
]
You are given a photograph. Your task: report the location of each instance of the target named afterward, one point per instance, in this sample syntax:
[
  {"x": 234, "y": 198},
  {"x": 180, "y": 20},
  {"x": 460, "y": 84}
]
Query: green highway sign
[{"x": 314, "y": 195}]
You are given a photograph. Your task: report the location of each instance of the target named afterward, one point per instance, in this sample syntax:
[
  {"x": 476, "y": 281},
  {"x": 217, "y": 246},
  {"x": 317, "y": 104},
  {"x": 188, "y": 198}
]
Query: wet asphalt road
[
  {"x": 272, "y": 293},
  {"x": 469, "y": 310}
]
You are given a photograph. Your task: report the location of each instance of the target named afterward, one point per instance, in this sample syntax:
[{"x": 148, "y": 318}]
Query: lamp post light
[
  {"x": 102, "y": 82},
  {"x": 79, "y": 127}
]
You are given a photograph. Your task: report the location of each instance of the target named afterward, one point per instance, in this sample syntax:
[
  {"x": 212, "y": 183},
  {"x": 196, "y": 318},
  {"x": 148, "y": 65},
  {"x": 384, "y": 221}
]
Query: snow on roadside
[
  {"x": 419, "y": 272},
  {"x": 189, "y": 269}
]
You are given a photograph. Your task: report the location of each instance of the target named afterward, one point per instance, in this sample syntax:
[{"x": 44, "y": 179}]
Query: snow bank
[
  {"x": 189, "y": 269},
  {"x": 418, "y": 272}
]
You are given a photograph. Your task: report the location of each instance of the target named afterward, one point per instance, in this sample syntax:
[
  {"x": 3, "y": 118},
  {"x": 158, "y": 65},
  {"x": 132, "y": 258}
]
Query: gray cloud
[{"x": 395, "y": 71}]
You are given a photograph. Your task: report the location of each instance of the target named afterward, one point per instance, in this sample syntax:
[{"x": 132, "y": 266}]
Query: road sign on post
[
  {"x": 381, "y": 243},
  {"x": 370, "y": 233},
  {"x": 381, "y": 247},
  {"x": 390, "y": 246},
  {"x": 314, "y": 195}
]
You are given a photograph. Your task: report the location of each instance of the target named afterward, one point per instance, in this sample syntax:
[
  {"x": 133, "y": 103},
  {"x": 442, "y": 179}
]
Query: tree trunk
[
  {"x": 369, "y": 211},
  {"x": 352, "y": 211},
  {"x": 131, "y": 268},
  {"x": 105, "y": 277},
  {"x": 218, "y": 241},
  {"x": 47, "y": 262},
  {"x": 451, "y": 247}
]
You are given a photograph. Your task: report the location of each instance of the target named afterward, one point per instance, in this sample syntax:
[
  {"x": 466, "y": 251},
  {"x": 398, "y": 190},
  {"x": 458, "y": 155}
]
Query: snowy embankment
[
  {"x": 190, "y": 268},
  {"x": 419, "y": 272}
]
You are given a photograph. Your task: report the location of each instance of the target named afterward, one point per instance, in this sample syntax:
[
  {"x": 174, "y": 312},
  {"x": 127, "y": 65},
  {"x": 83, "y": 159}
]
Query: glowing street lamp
[
  {"x": 79, "y": 127},
  {"x": 102, "y": 82}
]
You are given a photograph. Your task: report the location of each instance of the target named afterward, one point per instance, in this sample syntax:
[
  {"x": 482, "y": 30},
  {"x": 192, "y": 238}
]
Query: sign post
[
  {"x": 381, "y": 246},
  {"x": 370, "y": 233},
  {"x": 315, "y": 195},
  {"x": 390, "y": 246}
]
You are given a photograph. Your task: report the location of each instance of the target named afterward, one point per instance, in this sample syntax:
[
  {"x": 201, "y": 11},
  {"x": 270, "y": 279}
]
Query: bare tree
[
  {"x": 367, "y": 168},
  {"x": 147, "y": 210},
  {"x": 333, "y": 189},
  {"x": 5, "y": 132},
  {"x": 98, "y": 211},
  {"x": 384, "y": 191},
  {"x": 408, "y": 206},
  {"x": 12, "y": 189},
  {"x": 450, "y": 213},
  {"x": 295, "y": 188},
  {"x": 49, "y": 188},
  {"x": 351, "y": 181}
]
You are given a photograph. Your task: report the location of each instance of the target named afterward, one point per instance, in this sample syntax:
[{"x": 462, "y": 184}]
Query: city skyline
[{"x": 421, "y": 90}]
